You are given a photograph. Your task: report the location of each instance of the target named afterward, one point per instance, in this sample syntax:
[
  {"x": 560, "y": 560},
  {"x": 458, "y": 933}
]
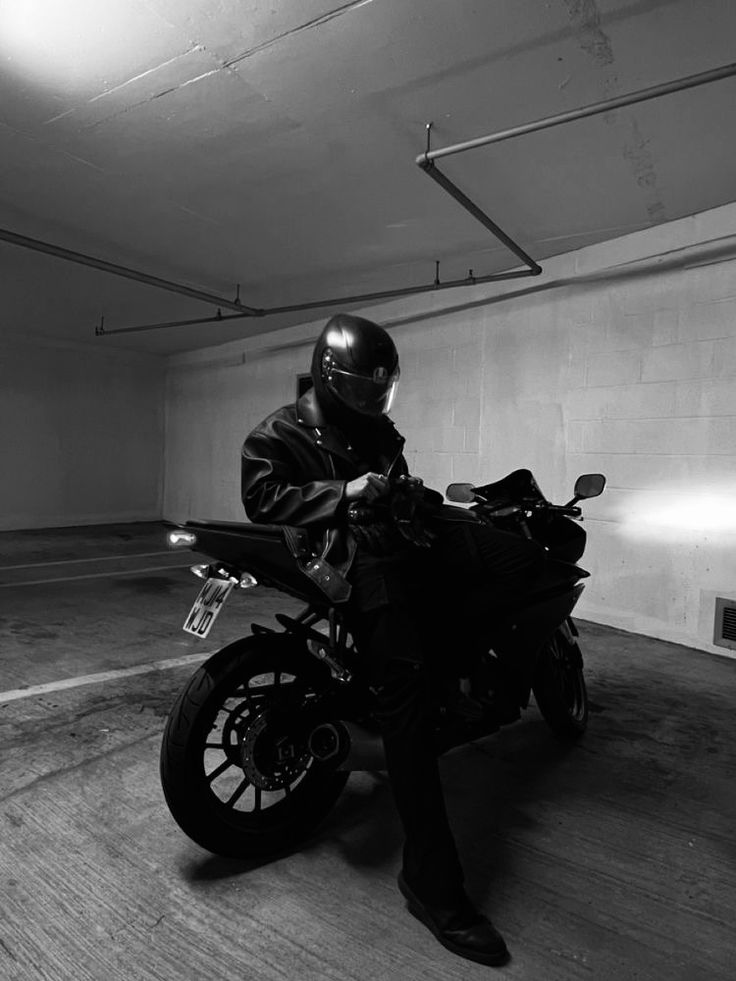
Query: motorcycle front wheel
[
  {"x": 559, "y": 686},
  {"x": 236, "y": 772}
]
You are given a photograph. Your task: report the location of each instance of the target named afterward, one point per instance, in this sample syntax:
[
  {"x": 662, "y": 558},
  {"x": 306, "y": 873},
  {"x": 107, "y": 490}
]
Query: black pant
[{"x": 395, "y": 618}]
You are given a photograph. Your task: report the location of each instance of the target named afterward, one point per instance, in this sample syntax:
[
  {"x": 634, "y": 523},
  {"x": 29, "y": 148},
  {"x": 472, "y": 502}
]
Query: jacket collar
[{"x": 309, "y": 413}]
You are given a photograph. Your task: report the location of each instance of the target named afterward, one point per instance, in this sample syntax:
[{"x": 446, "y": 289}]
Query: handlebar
[
  {"x": 519, "y": 492},
  {"x": 568, "y": 510},
  {"x": 506, "y": 509}
]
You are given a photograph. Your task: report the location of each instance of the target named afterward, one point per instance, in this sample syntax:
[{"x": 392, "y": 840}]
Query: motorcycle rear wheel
[
  {"x": 559, "y": 686},
  {"x": 237, "y": 777}
]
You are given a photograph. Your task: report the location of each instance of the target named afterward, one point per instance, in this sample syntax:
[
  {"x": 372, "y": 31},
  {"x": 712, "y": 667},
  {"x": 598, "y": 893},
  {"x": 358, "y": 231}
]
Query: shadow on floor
[{"x": 480, "y": 787}]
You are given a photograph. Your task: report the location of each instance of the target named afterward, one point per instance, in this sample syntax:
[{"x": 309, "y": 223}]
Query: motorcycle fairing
[{"x": 517, "y": 487}]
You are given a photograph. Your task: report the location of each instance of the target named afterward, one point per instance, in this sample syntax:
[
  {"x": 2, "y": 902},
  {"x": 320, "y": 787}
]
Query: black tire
[
  {"x": 217, "y": 732},
  {"x": 559, "y": 686}
]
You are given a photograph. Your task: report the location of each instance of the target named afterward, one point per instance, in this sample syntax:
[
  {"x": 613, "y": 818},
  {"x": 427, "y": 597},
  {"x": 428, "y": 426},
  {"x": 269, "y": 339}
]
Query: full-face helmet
[{"x": 356, "y": 362}]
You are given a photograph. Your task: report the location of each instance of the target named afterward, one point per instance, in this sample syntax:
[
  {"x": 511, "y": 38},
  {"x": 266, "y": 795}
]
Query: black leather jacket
[{"x": 295, "y": 466}]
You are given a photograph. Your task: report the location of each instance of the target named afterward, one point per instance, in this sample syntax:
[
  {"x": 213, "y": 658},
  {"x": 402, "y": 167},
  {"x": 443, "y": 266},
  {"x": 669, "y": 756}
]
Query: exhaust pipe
[{"x": 347, "y": 746}]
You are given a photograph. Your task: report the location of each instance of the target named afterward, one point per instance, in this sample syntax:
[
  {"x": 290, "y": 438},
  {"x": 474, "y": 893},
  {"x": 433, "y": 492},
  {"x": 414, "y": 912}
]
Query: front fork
[
  {"x": 569, "y": 630},
  {"x": 571, "y": 652}
]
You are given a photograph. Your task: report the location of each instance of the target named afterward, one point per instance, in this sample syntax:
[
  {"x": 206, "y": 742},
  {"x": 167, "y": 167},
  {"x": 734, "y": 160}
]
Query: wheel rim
[{"x": 250, "y": 763}]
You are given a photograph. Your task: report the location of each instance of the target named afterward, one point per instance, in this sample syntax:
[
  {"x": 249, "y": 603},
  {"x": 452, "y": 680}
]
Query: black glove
[
  {"x": 411, "y": 503},
  {"x": 371, "y": 527}
]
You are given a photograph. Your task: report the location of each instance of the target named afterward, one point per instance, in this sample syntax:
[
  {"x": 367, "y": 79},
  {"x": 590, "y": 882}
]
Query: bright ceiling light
[{"x": 63, "y": 43}]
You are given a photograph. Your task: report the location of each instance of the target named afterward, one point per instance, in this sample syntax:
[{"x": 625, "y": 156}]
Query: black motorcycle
[{"x": 261, "y": 741}]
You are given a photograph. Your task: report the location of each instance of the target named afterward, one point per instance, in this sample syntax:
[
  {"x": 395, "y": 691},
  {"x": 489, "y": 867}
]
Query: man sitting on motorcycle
[{"x": 328, "y": 463}]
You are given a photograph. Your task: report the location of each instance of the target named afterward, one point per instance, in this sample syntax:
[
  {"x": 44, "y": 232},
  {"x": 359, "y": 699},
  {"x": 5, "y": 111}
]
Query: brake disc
[{"x": 270, "y": 763}]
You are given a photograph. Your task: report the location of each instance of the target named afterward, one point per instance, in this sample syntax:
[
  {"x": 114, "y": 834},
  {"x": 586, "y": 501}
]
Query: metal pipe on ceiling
[
  {"x": 334, "y": 301},
  {"x": 688, "y": 82},
  {"x": 430, "y": 168},
  {"x": 110, "y": 267},
  {"x": 426, "y": 160},
  {"x": 36, "y": 245},
  {"x": 718, "y": 250}
]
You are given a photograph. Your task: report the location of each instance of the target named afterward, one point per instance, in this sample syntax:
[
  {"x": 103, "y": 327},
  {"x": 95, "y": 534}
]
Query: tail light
[
  {"x": 178, "y": 538},
  {"x": 243, "y": 580}
]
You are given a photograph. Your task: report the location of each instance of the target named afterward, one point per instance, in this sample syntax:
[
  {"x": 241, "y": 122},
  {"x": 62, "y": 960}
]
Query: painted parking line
[
  {"x": 92, "y": 558},
  {"x": 95, "y": 679},
  {"x": 95, "y": 575}
]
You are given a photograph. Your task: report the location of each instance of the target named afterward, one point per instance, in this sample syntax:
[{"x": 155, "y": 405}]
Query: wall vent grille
[{"x": 725, "y": 627}]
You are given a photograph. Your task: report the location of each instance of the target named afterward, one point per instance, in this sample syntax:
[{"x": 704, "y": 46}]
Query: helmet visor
[{"x": 372, "y": 396}]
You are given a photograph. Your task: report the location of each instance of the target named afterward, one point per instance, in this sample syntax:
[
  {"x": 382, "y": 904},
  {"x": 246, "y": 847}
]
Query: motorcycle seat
[{"x": 274, "y": 554}]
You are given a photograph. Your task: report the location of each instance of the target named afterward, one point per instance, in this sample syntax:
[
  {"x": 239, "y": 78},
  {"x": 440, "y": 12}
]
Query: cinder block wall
[
  {"x": 81, "y": 433},
  {"x": 621, "y": 358}
]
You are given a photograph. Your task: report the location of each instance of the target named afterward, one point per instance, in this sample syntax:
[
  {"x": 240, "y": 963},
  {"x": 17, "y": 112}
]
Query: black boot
[{"x": 460, "y": 928}]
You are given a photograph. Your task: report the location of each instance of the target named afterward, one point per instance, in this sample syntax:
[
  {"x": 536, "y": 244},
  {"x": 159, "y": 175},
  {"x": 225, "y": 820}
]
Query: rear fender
[{"x": 280, "y": 648}]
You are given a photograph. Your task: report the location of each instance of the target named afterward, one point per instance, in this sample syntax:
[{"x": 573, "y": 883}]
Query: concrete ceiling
[{"x": 272, "y": 145}]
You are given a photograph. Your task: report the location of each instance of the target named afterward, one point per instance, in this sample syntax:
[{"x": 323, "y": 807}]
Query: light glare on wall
[
  {"x": 60, "y": 42},
  {"x": 668, "y": 515}
]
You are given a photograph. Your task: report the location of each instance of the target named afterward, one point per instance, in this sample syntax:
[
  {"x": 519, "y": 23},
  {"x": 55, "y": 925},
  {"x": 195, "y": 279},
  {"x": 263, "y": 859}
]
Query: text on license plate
[{"x": 207, "y": 605}]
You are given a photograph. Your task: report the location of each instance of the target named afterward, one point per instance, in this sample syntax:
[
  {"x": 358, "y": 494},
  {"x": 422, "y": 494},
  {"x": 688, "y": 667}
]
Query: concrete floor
[{"x": 610, "y": 859}]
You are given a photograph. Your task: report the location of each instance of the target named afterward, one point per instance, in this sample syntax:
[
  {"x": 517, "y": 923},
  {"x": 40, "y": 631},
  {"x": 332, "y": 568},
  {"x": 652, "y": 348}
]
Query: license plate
[{"x": 206, "y": 607}]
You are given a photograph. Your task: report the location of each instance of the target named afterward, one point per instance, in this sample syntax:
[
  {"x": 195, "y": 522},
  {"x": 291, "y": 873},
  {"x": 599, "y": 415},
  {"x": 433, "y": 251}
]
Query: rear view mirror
[
  {"x": 589, "y": 485},
  {"x": 460, "y": 493}
]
